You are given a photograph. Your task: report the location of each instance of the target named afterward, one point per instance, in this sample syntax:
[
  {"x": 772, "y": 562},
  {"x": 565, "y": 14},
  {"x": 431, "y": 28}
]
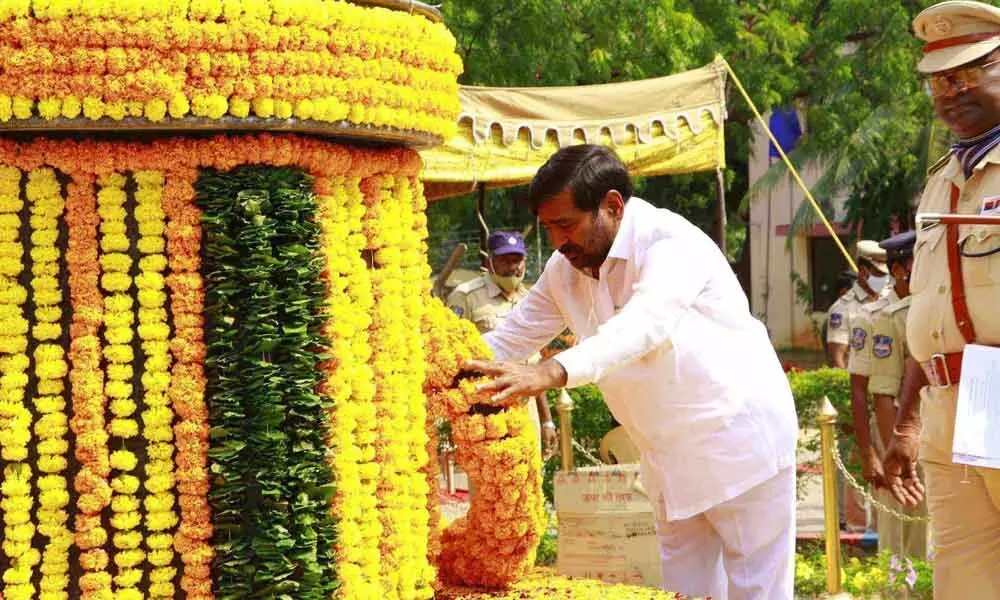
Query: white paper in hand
[{"x": 977, "y": 414}]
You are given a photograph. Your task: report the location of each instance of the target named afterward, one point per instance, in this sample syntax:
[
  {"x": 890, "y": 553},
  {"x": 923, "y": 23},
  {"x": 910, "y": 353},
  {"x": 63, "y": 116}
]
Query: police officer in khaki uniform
[
  {"x": 490, "y": 297},
  {"x": 859, "y": 366},
  {"x": 955, "y": 290},
  {"x": 872, "y": 276},
  {"x": 847, "y": 344},
  {"x": 888, "y": 353}
]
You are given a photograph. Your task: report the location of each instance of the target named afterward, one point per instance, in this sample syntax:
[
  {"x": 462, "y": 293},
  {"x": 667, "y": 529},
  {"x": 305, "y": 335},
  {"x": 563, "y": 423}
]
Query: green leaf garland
[{"x": 264, "y": 303}]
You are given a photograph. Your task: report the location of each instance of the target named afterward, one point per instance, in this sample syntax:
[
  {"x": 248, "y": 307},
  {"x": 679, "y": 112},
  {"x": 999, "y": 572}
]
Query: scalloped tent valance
[{"x": 658, "y": 126}]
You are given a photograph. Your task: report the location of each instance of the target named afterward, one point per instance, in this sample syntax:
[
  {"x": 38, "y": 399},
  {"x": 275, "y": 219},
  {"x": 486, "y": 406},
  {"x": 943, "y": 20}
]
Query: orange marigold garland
[
  {"x": 498, "y": 450},
  {"x": 44, "y": 194},
  {"x": 87, "y": 380},
  {"x": 187, "y": 384}
]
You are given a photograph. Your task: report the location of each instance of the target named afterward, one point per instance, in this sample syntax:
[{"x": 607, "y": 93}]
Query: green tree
[{"x": 850, "y": 62}]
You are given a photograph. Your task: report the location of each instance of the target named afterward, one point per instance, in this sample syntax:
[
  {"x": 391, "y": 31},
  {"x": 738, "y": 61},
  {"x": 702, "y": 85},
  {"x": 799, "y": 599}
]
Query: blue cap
[
  {"x": 506, "y": 242},
  {"x": 899, "y": 246}
]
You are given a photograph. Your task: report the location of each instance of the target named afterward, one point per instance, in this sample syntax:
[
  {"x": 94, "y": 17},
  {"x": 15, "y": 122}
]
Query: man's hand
[
  {"x": 550, "y": 440},
  {"x": 871, "y": 468},
  {"x": 514, "y": 380},
  {"x": 901, "y": 465}
]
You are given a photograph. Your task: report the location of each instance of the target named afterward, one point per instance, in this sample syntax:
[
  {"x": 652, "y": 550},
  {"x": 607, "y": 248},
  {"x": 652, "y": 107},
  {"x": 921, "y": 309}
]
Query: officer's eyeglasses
[{"x": 959, "y": 80}]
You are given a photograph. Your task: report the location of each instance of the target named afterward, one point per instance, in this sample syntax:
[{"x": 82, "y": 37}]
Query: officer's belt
[{"x": 944, "y": 370}]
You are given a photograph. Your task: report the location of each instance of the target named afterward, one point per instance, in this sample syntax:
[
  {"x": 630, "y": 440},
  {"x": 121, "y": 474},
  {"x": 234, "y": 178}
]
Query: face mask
[
  {"x": 508, "y": 283},
  {"x": 876, "y": 283}
]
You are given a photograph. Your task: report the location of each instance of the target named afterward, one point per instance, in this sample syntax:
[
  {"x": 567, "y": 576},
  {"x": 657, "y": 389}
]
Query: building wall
[{"x": 776, "y": 259}]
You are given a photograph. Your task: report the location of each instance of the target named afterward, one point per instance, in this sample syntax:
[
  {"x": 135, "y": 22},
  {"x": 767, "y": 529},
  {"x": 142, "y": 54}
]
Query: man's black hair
[{"x": 588, "y": 171}]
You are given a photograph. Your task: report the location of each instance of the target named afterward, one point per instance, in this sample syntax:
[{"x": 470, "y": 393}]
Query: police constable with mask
[
  {"x": 955, "y": 289},
  {"x": 872, "y": 275},
  {"x": 488, "y": 299},
  {"x": 860, "y": 360}
]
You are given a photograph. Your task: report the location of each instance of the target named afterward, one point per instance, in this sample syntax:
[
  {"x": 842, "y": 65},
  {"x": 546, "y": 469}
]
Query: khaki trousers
[{"x": 964, "y": 505}]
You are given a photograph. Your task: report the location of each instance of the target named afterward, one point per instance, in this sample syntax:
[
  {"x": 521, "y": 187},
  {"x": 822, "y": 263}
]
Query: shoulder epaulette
[
  {"x": 941, "y": 162},
  {"x": 470, "y": 286},
  {"x": 898, "y": 305}
]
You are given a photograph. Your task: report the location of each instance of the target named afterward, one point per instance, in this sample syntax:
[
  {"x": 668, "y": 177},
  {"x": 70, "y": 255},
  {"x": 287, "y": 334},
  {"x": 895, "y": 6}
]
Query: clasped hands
[{"x": 898, "y": 470}]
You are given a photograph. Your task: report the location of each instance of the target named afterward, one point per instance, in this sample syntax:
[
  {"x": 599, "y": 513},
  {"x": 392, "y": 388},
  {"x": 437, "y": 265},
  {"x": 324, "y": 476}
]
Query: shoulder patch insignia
[
  {"x": 881, "y": 346},
  {"x": 858, "y": 338},
  {"x": 836, "y": 320},
  {"x": 458, "y": 310}
]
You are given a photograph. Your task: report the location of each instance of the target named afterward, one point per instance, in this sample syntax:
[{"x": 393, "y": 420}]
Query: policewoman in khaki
[
  {"x": 889, "y": 351},
  {"x": 956, "y": 301},
  {"x": 488, "y": 299},
  {"x": 872, "y": 276}
]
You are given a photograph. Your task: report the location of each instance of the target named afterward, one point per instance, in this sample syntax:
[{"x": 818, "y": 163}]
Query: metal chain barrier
[
  {"x": 863, "y": 490},
  {"x": 587, "y": 454}
]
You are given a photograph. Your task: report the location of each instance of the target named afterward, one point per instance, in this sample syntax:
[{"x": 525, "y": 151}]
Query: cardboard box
[{"x": 606, "y": 528}]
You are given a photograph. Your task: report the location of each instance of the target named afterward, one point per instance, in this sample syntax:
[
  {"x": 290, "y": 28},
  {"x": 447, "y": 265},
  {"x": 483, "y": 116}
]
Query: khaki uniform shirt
[
  {"x": 838, "y": 327},
  {"x": 889, "y": 349},
  {"x": 483, "y": 302},
  {"x": 859, "y": 361},
  {"x": 930, "y": 325}
]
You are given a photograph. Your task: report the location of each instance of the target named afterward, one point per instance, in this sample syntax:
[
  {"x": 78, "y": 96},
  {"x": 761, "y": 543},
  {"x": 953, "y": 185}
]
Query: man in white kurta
[{"x": 665, "y": 331}]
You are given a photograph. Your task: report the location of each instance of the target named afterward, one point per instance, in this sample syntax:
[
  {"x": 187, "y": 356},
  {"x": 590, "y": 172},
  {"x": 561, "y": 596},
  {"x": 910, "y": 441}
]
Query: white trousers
[{"x": 741, "y": 549}]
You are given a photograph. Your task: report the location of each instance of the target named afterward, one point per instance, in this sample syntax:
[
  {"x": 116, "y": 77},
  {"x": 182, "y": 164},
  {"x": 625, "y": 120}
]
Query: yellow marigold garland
[
  {"x": 544, "y": 583},
  {"x": 388, "y": 336},
  {"x": 349, "y": 384},
  {"x": 44, "y": 194},
  {"x": 416, "y": 288},
  {"x": 119, "y": 316},
  {"x": 323, "y": 61},
  {"x": 15, "y": 417},
  {"x": 157, "y": 416}
]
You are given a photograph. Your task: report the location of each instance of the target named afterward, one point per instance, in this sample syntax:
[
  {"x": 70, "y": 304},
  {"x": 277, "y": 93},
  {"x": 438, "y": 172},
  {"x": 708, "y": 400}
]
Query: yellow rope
[{"x": 788, "y": 163}]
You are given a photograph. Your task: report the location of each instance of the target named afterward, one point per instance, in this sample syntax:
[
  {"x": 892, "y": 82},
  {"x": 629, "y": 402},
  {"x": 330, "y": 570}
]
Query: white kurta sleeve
[
  {"x": 673, "y": 273},
  {"x": 534, "y": 322}
]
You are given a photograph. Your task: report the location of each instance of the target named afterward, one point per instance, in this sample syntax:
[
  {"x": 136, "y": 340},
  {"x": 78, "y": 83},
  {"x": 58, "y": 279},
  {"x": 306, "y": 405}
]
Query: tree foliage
[{"x": 848, "y": 62}]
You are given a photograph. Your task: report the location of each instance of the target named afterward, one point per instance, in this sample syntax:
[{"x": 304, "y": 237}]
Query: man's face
[
  {"x": 583, "y": 237},
  {"x": 967, "y": 98},
  {"x": 509, "y": 265}
]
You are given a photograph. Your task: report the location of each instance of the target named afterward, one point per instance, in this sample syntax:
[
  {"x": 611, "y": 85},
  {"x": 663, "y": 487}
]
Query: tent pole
[
  {"x": 720, "y": 209},
  {"x": 483, "y": 230}
]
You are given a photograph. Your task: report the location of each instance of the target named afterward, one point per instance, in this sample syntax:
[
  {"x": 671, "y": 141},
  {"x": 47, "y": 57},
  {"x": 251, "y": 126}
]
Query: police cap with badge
[
  {"x": 873, "y": 256},
  {"x": 955, "y": 33},
  {"x": 505, "y": 242},
  {"x": 899, "y": 247}
]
